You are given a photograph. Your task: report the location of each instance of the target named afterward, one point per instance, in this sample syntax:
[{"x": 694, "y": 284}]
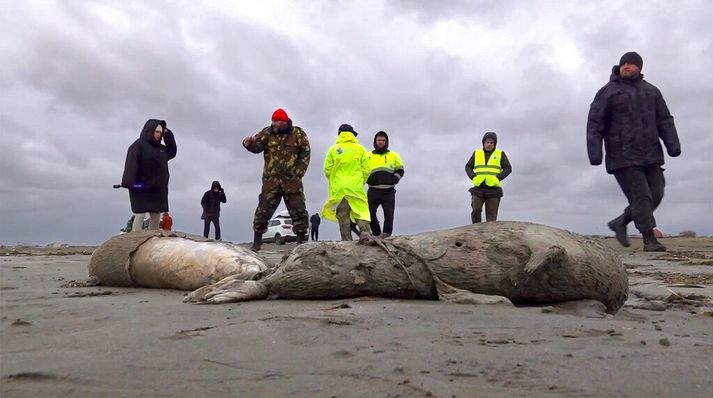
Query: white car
[{"x": 279, "y": 230}]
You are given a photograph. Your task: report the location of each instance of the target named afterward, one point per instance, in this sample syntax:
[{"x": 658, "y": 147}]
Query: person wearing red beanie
[{"x": 286, "y": 152}]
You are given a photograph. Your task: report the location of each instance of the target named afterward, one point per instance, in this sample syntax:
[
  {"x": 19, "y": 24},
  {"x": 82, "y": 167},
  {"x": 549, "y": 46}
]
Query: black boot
[
  {"x": 257, "y": 242},
  {"x": 651, "y": 244},
  {"x": 301, "y": 238},
  {"x": 619, "y": 227}
]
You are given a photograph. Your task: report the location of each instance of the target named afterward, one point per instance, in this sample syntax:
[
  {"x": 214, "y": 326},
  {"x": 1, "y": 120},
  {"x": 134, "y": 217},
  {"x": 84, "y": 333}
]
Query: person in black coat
[
  {"x": 211, "y": 208},
  {"x": 314, "y": 226},
  {"x": 630, "y": 116},
  {"x": 146, "y": 172}
]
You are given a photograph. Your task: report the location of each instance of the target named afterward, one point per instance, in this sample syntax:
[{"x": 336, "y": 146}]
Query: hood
[
  {"x": 346, "y": 136},
  {"x": 616, "y": 76},
  {"x": 149, "y": 127},
  {"x": 492, "y": 135},
  {"x": 214, "y": 185},
  {"x": 384, "y": 149}
]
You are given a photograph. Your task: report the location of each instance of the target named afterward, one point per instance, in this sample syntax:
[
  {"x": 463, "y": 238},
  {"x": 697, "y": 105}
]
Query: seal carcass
[
  {"x": 524, "y": 262},
  {"x": 169, "y": 260}
]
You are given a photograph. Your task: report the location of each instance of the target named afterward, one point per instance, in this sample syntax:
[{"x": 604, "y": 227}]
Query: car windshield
[{"x": 288, "y": 221}]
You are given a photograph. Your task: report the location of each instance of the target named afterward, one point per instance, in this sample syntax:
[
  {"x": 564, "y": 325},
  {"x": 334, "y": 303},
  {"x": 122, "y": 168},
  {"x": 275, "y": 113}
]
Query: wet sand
[{"x": 100, "y": 341}]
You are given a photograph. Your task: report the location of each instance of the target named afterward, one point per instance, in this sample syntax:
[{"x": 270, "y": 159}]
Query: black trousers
[
  {"x": 644, "y": 188},
  {"x": 314, "y": 233},
  {"x": 206, "y": 226},
  {"x": 491, "y": 208},
  {"x": 386, "y": 198}
]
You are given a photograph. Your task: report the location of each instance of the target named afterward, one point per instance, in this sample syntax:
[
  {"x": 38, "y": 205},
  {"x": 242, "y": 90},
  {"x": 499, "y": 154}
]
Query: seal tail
[
  {"x": 538, "y": 259},
  {"x": 230, "y": 289}
]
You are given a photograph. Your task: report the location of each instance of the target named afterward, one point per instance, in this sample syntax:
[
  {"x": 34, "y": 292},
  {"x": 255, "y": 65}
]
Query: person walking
[
  {"x": 210, "y": 202},
  {"x": 347, "y": 169},
  {"x": 314, "y": 226},
  {"x": 286, "y": 152},
  {"x": 146, "y": 172},
  {"x": 487, "y": 168},
  {"x": 387, "y": 169},
  {"x": 630, "y": 117}
]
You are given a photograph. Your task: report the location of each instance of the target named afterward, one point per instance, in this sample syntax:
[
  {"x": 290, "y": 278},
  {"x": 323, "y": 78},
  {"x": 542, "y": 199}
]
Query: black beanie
[
  {"x": 632, "y": 57},
  {"x": 346, "y": 127}
]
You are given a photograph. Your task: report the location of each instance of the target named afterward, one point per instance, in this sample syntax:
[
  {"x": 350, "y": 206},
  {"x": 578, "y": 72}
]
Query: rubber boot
[
  {"x": 651, "y": 244},
  {"x": 301, "y": 238},
  {"x": 619, "y": 227},
  {"x": 364, "y": 232},
  {"x": 257, "y": 242}
]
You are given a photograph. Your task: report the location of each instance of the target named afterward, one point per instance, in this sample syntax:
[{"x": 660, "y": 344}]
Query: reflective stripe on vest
[{"x": 487, "y": 172}]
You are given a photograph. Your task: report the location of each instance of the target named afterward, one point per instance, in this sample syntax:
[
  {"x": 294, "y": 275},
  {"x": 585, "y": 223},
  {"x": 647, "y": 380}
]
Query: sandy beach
[{"x": 123, "y": 342}]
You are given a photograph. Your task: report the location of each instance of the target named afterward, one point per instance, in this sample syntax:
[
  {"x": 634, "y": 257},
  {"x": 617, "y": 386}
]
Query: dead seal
[
  {"x": 482, "y": 263},
  {"x": 169, "y": 260}
]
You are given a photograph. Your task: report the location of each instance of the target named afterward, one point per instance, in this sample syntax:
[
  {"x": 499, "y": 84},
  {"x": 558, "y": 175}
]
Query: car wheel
[{"x": 279, "y": 240}]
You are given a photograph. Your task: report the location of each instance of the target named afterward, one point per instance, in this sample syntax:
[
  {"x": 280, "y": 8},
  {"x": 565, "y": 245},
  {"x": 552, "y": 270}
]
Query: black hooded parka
[{"x": 147, "y": 165}]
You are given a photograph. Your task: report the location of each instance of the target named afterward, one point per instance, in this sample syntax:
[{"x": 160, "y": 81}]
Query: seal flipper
[
  {"x": 552, "y": 254},
  {"x": 453, "y": 294},
  {"x": 229, "y": 289}
]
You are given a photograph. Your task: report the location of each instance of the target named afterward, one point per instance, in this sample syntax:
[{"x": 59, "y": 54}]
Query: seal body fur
[
  {"x": 169, "y": 260},
  {"x": 523, "y": 262}
]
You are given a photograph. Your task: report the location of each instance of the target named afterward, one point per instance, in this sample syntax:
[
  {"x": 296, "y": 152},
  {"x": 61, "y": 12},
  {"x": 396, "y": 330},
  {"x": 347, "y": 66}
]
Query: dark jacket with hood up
[
  {"x": 630, "y": 116},
  {"x": 211, "y": 201},
  {"x": 383, "y": 177},
  {"x": 147, "y": 164},
  {"x": 484, "y": 190}
]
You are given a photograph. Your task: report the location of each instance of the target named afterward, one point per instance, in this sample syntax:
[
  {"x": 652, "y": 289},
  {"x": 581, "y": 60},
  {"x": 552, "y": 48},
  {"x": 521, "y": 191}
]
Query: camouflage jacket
[{"x": 286, "y": 158}]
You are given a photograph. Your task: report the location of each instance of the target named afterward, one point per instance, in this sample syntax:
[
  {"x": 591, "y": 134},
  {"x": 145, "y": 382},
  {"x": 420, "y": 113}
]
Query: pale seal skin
[
  {"x": 481, "y": 263},
  {"x": 169, "y": 260}
]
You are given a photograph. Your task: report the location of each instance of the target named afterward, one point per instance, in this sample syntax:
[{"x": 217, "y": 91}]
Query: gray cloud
[{"x": 81, "y": 78}]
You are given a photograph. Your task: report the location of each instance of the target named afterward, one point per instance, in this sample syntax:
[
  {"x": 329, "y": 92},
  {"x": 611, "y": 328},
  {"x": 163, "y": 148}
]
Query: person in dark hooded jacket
[
  {"x": 487, "y": 167},
  {"x": 210, "y": 202},
  {"x": 387, "y": 169},
  {"x": 630, "y": 116},
  {"x": 146, "y": 172}
]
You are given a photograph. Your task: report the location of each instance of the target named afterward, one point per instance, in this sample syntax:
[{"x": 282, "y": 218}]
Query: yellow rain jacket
[{"x": 347, "y": 169}]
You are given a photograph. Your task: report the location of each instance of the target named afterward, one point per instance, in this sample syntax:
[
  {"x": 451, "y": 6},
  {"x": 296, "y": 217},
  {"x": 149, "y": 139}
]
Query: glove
[{"x": 674, "y": 153}]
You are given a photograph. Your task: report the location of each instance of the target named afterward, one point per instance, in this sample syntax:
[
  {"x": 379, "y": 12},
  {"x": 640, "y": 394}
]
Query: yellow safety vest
[{"x": 487, "y": 172}]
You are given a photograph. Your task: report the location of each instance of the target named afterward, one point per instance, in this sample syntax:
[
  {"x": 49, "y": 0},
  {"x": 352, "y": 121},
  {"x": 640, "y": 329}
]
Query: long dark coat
[
  {"x": 211, "y": 201},
  {"x": 147, "y": 164},
  {"x": 631, "y": 118}
]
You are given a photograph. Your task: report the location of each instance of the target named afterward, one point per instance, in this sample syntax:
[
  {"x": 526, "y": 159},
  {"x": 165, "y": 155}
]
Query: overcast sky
[{"x": 79, "y": 79}]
